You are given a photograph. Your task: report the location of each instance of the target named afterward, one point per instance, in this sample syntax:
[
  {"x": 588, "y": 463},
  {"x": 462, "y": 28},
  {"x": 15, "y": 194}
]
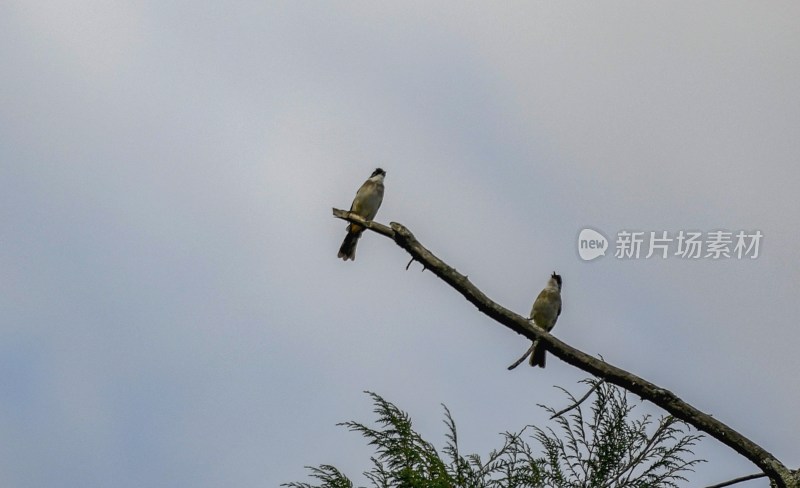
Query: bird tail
[
  {"x": 537, "y": 356},
  {"x": 348, "y": 249}
]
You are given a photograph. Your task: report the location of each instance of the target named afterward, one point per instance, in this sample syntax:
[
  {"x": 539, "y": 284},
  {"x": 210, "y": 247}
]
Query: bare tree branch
[
  {"x": 738, "y": 480},
  {"x": 582, "y": 399},
  {"x": 519, "y": 361},
  {"x": 636, "y": 385}
]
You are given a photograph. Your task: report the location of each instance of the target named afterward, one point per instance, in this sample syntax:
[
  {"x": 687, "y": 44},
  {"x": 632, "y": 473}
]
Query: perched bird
[
  {"x": 545, "y": 312},
  {"x": 366, "y": 204}
]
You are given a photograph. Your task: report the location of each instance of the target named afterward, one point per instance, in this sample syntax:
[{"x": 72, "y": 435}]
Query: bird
[
  {"x": 366, "y": 204},
  {"x": 544, "y": 313}
]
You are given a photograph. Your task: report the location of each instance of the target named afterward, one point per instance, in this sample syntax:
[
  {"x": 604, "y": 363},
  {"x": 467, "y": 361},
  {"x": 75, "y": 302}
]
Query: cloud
[{"x": 171, "y": 294}]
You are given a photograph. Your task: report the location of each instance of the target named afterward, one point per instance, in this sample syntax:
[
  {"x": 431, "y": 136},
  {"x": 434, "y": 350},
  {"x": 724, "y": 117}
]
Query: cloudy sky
[{"x": 173, "y": 312}]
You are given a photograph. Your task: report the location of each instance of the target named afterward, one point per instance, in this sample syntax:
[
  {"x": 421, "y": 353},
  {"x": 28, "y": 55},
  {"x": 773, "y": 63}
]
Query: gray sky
[{"x": 173, "y": 310}]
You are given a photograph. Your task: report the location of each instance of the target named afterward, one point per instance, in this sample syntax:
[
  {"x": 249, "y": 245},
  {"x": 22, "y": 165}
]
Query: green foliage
[
  {"x": 604, "y": 448},
  {"x": 330, "y": 477},
  {"x": 607, "y": 448}
]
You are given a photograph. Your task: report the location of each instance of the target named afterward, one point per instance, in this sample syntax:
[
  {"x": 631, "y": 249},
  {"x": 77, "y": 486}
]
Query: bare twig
[
  {"x": 369, "y": 224},
  {"x": 738, "y": 480},
  {"x": 583, "y": 399},
  {"x": 409, "y": 263},
  {"x": 519, "y": 361},
  {"x": 662, "y": 397}
]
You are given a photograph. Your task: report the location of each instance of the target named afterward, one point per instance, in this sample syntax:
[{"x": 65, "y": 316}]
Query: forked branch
[{"x": 664, "y": 398}]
